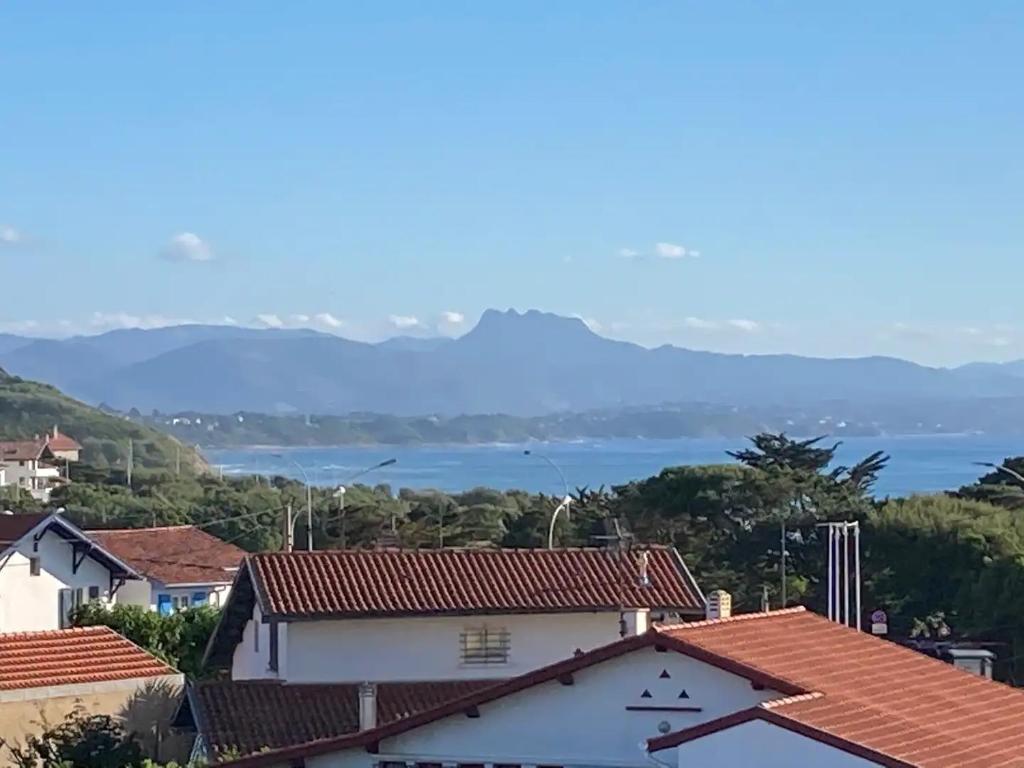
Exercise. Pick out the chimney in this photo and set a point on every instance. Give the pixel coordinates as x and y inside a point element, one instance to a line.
<point>55,432</point>
<point>367,706</point>
<point>645,576</point>
<point>634,621</point>
<point>719,605</point>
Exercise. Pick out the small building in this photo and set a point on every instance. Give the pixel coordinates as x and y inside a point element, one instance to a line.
<point>774,690</point>
<point>63,447</point>
<point>182,565</point>
<point>30,467</point>
<point>44,676</point>
<point>48,567</point>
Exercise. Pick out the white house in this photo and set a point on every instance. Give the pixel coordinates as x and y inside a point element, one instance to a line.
<point>347,616</point>
<point>182,565</point>
<point>30,466</point>
<point>48,567</point>
<point>776,690</point>
<point>306,631</point>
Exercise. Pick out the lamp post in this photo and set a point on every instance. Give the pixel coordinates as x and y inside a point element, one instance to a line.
<point>566,499</point>
<point>1002,468</point>
<point>309,499</point>
<point>339,494</point>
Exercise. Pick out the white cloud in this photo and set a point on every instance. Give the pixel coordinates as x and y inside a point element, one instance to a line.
<point>403,321</point>
<point>453,318</point>
<point>747,326</point>
<point>108,321</point>
<point>327,320</point>
<point>187,246</point>
<point>700,324</point>
<point>270,320</point>
<point>628,253</point>
<point>673,251</point>
<point>228,320</point>
<point>299,319</point>
<point>999,341</point>
<point>591,323</point>
<point>10,236</point>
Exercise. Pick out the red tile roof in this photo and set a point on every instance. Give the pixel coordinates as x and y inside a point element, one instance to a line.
<point>181,554</point>
<point>21,450</point>
<point>62,442</point>
<point>356,583</point>
<point>869,692</point>
<point>859,693</point>
<point>72,656</point>
<point>248,716</point>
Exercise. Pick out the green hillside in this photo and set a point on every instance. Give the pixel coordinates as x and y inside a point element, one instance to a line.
<point>28,408</point>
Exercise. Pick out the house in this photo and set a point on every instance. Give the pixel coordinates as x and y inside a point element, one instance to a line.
<point>306,632</point>
<point>30,467</point>
<point>44,676</point>
<point>62,446</point>
<point>347,615</point>
<point>48,567</point>
<point>775,689</point>
<point>182,565</point>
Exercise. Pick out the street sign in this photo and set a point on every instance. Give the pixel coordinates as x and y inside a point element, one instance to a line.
<point>879,623</point>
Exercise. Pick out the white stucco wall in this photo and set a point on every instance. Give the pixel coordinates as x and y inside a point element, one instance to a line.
<point>145,593</point>
<point>29,603</point>
<point>585,724</point>
<point>764,745</point>
<point>418,648</point>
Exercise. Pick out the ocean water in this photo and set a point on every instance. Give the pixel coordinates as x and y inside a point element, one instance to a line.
<point>918,464</point>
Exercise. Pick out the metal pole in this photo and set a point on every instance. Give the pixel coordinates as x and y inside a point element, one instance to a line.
<point>309,517</point>
<point>832,566</point>
<point>783,550</point>
<point>554,517</point>
<point>856,555</point>
<point>836,583</point>
<point>561,475</point>
<point>846,574</point>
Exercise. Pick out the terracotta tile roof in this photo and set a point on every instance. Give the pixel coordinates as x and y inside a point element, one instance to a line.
<point>867,696</point>
<point>465,581</point>
<point>62,442</point>
<point>21,450</point>
<point>72,656</point>
<point>248,716</point>
<point>180,554</point>
<point>869,692</point>
<point>14,527</point>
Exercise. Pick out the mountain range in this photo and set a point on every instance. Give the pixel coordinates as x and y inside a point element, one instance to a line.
<point>522,364</point>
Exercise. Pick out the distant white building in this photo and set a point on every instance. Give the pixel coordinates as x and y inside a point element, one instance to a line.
<point>182,565</point>
<point>48,567</point>
<point>30,466</point>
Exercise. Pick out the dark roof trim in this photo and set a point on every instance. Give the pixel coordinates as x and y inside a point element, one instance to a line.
<point>775,718</point>
<point>68,531</point>
<point>549,673</point>
<point>227,634</point>
<point>469,612</point>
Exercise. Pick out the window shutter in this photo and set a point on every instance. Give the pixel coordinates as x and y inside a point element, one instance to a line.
<point>163,605</point>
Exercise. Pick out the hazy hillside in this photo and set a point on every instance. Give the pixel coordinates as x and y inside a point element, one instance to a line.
<point>28,408</point>
<point>525,364</point>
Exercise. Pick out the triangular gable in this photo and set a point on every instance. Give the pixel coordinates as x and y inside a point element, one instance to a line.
<point>68,531</point>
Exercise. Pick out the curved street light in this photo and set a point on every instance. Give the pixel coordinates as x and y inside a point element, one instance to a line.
<point>1001,468</point>
<point>309,500</point>
<point>339,494</point>
<point>566,499</point>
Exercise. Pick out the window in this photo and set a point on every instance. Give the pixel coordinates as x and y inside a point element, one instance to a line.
<point>485,645</point>
<point>179,601</point>
<point>198,598</point>
<point>163,605</point>
<point>33,566</point>
<point>256,636</point>
<point>273,662</point>
<point>94,594</point>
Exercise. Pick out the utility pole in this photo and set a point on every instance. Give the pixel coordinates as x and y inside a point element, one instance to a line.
<point>177,460</point>
<point>783,561</point>
<point>289,529</point>
<point>131,460</point>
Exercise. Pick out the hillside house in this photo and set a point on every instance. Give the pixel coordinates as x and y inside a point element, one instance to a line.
<point>30,466</point>
<point>44,676</point>
<point>63,447</point>
<point>48,567</point>
<point>181,565</point>
<point>773,690</point>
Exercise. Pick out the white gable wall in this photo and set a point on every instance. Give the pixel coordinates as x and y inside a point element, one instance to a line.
<point>428,647</point>
<point>764,745</point>
<point>586,723</point>
<point>30,603</point>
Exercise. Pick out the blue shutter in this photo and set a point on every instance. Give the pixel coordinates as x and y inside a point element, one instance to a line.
<point>198,598</point>
<point>163,605</point>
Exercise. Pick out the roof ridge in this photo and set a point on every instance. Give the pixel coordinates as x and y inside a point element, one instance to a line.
<point>95,629</point>
<point>447,550</point>
<point>139,530</point>
<point>776,703</point>
<point>668,628</point>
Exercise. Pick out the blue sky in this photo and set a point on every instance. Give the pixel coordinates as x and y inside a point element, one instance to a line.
<point>820,179</point>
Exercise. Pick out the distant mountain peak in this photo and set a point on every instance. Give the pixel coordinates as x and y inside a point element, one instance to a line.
<point>530,321</point>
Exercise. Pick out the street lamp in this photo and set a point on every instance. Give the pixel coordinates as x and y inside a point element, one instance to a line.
<point>1001,468</point>
<point>566,499</point>
<point>339,494</point>
<point>309,499</point>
